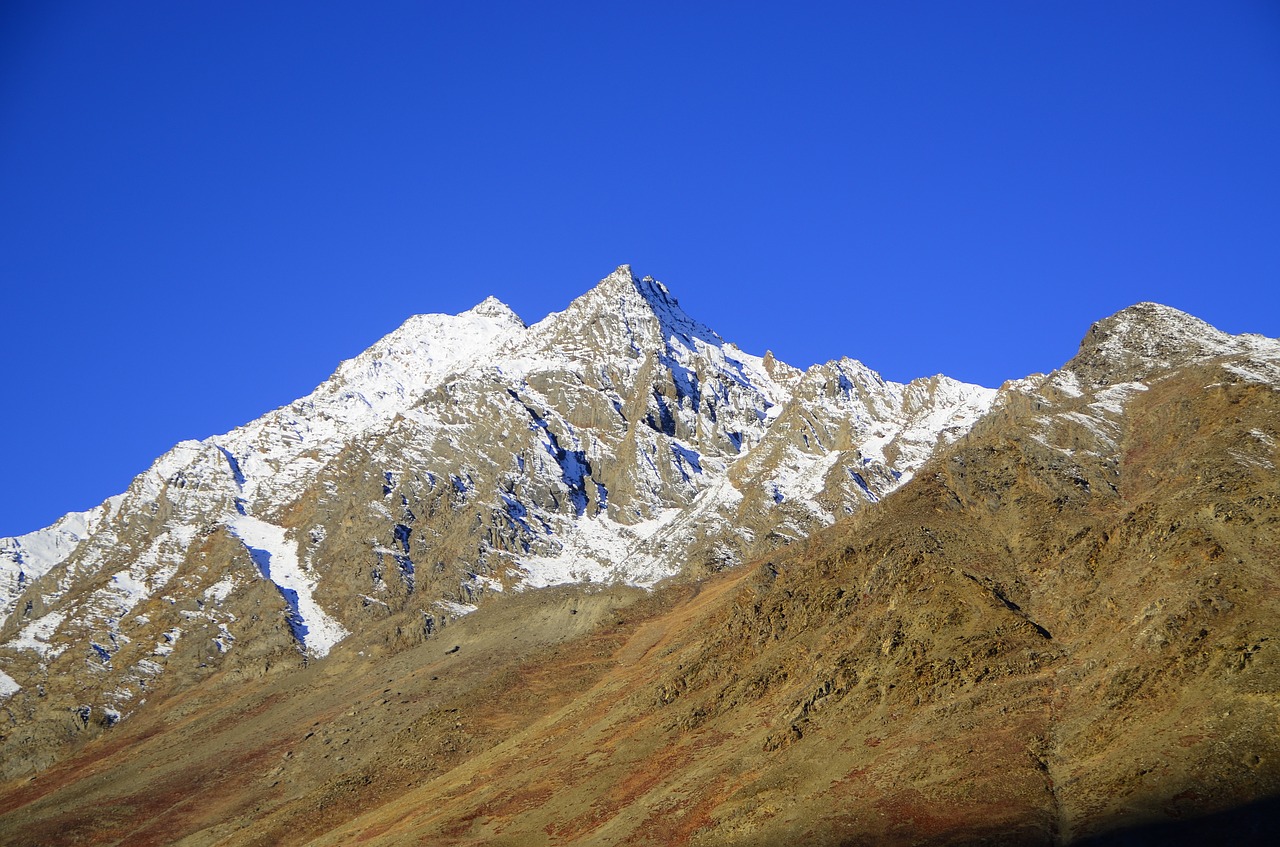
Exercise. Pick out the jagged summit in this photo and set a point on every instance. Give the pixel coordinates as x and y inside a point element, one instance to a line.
<point>622,274</point>
<point>650,289</point>
<point>626,315</point>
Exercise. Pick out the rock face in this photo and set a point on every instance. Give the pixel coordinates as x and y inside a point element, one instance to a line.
<point>461,457</point>
<point>1061,630</point>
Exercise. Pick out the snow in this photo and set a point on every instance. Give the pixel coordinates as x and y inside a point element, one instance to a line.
<point>151,571</point>
<point>8,687</point>
<point>221,589</point>
<point>130,589</point>
<point>149,668</point>
<point>1255,453</point>
<point>170,638</point>
<point>1101,428</point>
<point>1252,461</point>
<point>490,584</point>
<point>804,476</point>
<point>278,453</point>
<point>456,609</point>
<point>26,558</point>
<point>277,557</point>
<point>1265,372</point>
<point>1098,414</point>
<point>223,639</point>
<point>728,423</point>
<point>1112,400</point>
<point>599,549</point>
<point>1066,382</point>
<point>37,636</point>
<point>843,396</point>
<point>872,447</point>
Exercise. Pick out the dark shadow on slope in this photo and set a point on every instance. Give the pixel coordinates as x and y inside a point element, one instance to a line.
<point>1256,823</point>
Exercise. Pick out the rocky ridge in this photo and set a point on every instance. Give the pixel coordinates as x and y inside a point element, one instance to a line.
<point>618,441</point>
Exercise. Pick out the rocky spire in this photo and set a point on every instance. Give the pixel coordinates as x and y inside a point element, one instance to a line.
<point>627,315</point>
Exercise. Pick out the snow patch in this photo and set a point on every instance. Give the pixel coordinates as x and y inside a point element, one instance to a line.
<point>277,558</point>
<point>1112,399</point>
<point>221,589</point>
<point>37,636</point>
<point>456,609</point>
<point>1067,383</point>
<point>169,638</point>
<point>599,549</point>
<point>1267,373</point>
<point>803,477</point>
<point>490,583</point>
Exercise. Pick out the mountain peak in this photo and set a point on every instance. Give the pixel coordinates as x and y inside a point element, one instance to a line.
<point>492,307</point>
<point>622,272</point>
<point>623,282</point>
<point>1144,338</point>
<point>623,312</point>
<point>1159,316</point>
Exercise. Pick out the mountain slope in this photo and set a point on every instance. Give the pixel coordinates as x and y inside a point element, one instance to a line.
<point>458,458</point>
<point>1059,631</point>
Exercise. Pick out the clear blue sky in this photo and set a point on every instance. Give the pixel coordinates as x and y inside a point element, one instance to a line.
<point>205,206</point>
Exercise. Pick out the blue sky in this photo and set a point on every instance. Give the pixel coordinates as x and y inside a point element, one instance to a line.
<point>204,207</point>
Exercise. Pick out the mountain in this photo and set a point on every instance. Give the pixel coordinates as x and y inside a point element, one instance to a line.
<point>460,457</point>
<point>1048,615</point>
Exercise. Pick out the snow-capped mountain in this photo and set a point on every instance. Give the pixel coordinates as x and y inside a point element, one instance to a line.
<point>617,441</point>
<point>1056,631</point>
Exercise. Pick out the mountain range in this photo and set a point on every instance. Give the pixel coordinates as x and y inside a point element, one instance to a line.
<point>608,579</point>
